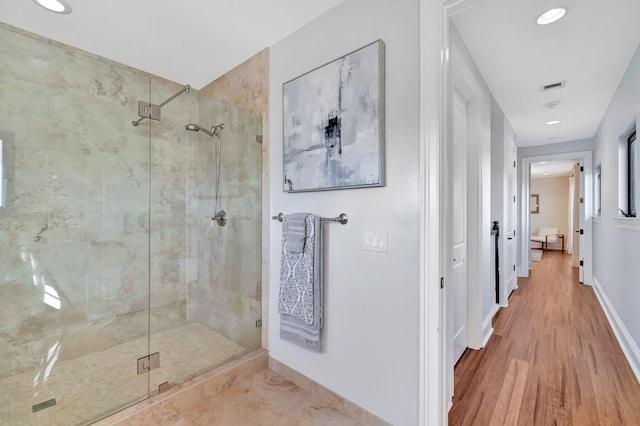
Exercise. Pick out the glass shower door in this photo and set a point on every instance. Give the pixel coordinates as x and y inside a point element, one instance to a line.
<point>74,234</point>
<point>205,279</point>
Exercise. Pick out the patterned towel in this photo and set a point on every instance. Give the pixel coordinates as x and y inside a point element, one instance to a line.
<point>300,302</point>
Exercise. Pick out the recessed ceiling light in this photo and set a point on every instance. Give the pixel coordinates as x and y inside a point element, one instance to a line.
<point>551,16</point>
<point>552,122</point>
<point>57,6</point>
<point>546,174</point>
<point>543,162</point>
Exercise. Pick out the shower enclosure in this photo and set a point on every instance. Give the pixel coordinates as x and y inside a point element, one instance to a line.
<point>115,282</point>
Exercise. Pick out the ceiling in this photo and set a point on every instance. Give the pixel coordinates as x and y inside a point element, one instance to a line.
<point>551,169</point>
<point>590,48</point>
<point>189,42</point>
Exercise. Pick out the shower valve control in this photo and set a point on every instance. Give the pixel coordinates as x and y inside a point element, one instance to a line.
<point>220,218</point>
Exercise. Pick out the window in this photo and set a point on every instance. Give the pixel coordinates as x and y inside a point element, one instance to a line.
<point>631,174</point>
<point>598,191</point>
<point>627,179</point>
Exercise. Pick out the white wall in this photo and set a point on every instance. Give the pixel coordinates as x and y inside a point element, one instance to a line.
<point>497,162</point>
<point>498,188</point>
<point>371,328</point>
<point>553,198</point>
<point>557,148</point>
<point>616,250</point>
<point>502,140</point>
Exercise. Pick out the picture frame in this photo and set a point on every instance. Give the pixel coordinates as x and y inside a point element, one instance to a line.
<point>333,124</point>
<point>534,204</point>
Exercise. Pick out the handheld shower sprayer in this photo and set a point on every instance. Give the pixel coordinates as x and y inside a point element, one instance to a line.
<point>191,127</point>
<point>221,216</point>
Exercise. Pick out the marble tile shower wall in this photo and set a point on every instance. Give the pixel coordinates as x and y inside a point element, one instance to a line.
<point>76,166</point>
<point>227,293</point>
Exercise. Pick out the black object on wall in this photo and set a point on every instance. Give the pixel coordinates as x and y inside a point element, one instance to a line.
<point>495,231</point>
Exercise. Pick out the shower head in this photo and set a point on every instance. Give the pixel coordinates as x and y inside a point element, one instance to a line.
<point>213,132</point>
<point>192,127</point>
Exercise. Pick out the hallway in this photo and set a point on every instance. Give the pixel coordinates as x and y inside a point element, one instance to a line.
<point>553,359</point>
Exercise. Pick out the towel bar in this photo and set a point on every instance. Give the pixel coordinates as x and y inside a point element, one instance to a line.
<point>343,219</point>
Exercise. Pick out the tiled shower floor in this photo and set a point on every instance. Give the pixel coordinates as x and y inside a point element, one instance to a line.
<point>91,385</point>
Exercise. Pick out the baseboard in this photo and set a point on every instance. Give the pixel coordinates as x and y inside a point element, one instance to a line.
<point>522,272</point>
<point>487,325</point>
<point>628,345</point>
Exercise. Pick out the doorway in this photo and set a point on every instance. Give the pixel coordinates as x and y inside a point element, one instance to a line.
<point>466,246</point>
<point>581,221</point>
<point>436,103</point>
<point>555,208</point>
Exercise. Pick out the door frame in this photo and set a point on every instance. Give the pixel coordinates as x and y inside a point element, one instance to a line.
<point>435,76</point>
<point>477,198</point>
<point>506,290</point>
<point>587,207</point>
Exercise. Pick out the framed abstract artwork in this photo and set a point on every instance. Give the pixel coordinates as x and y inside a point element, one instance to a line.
<point>333,124</point>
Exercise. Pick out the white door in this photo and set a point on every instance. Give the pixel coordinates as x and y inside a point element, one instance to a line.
<point>576,252</point>
<point>581,222</point>
<point>458,188</point>
<point>510,221</point>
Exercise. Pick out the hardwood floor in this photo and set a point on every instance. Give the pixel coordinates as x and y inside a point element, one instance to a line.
<point>553,359</point>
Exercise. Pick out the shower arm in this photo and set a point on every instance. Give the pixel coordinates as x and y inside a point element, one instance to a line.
<point>185,89</point>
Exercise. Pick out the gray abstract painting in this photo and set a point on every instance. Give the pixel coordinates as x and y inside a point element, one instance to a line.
<point>333,124</point>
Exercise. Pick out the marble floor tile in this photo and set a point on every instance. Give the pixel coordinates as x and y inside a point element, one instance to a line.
<point>265,398</point>
<point>91,385</point>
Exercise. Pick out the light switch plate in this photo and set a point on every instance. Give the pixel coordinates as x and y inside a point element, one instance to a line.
<point>375,241</point>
